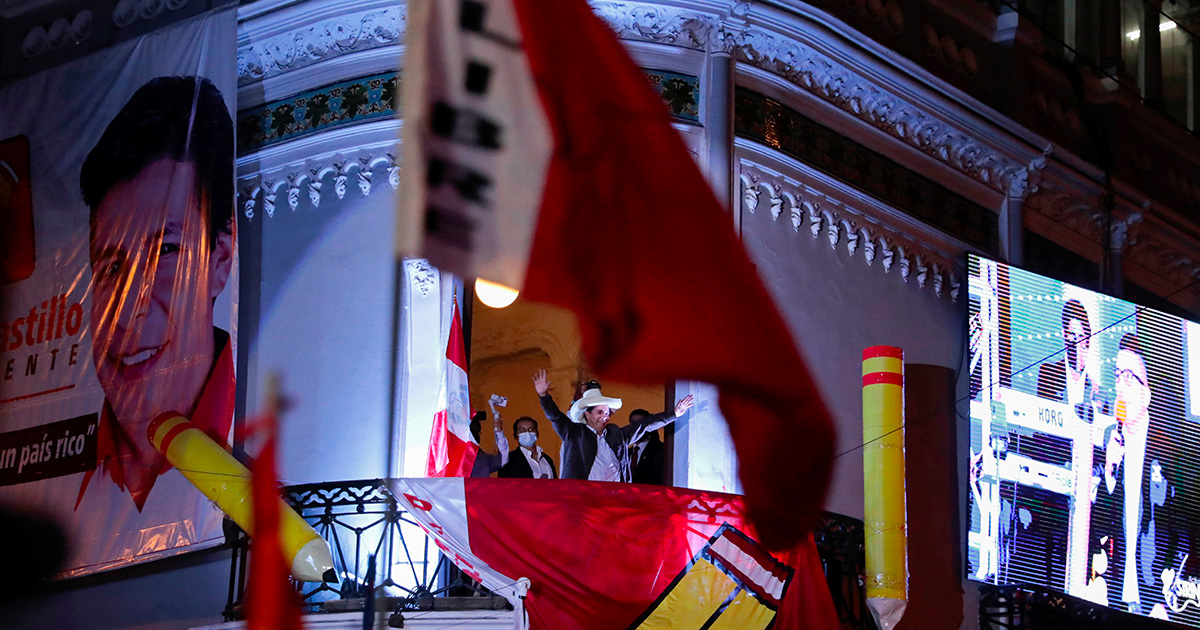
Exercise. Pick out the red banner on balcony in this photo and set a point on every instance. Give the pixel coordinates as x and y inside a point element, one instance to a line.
<point>608,555</point>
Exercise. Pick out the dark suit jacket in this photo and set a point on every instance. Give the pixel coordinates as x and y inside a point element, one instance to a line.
<point>518,466</point>
<point>1161,538</point>
<point>580,442</point>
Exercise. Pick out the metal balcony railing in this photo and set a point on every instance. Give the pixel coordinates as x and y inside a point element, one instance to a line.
<point>360,519</point>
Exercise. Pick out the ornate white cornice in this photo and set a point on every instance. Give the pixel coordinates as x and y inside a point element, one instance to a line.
<point>657,23</point>
<point>320,41</point>
<point>59,33</point>
<point>810,206</point>
<point>363,168</point>
<point>866,99</point>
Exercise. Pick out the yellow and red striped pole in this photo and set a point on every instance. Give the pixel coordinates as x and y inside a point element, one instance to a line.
<point>885,519</point>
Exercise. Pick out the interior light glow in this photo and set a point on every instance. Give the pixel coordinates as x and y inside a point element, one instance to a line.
<point>1162,28</point>
<point>494,295</point>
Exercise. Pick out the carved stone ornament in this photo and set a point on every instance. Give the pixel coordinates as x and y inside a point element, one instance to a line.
<point>1123,230</point>
<point>261,190</point>
<point>822,76</point>
<point>1075,211</point>
<point>421,275</point>
<point>59,33</point>
<point>658,24</point>
<point>1166,261</point>
<point>353,32</point>
<point>129,12</point>
<point>801,202</point>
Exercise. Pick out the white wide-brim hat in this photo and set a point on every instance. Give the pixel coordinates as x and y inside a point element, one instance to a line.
<point>591,398</point>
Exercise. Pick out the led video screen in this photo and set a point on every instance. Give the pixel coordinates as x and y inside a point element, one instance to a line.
<point>1084,467</point>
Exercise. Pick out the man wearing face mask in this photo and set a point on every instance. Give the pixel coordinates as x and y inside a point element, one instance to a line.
<point>528,461</point>
<point>592,448</point>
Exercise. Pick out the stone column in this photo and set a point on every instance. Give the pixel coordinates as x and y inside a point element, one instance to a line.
<point>702,455</point>
<point>1109,28</point>
<point>719,122</point>
<point>1012,221</point>
<point>1122,231</point>
<point>1193,83</point>
<point>1150,54</point>
<point>1012,241</point>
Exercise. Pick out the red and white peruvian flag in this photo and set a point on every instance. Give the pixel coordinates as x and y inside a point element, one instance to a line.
<point>452,448</point>
<point>593,556</point>
<point>537,156</point>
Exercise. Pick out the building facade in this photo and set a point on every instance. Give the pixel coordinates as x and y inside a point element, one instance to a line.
<point>863,147</point>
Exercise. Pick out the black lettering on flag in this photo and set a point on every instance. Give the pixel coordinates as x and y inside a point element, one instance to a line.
<point>471,17</point>
<point>468,183</point>
<point>450,226</point>
<point>478,76</point>
<point>464,126</point>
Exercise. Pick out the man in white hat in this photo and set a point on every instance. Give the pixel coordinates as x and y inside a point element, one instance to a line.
<point>593,448</point>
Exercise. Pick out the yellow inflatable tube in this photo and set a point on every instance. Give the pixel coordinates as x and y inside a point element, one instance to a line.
<point>226,482</point>
<point>885,529</point>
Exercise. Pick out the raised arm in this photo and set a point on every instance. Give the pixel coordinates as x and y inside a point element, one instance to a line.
<point>501,439</point>
<point>635,431</point>
<point>558,419</point>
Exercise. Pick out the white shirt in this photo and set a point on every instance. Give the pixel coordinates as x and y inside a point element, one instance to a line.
<point>538,464</point>
<point>1135,457</point>
<point>1075,381</point>
<point>605,467</point>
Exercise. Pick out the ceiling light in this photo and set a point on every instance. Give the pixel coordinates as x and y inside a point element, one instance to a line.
<point>494,295</point>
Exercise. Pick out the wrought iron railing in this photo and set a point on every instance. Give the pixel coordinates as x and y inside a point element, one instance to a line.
<point>360,519</point>
<point>1021,607</point>
<point>840,543</point>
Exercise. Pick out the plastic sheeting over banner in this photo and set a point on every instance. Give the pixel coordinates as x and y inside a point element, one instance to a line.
<point>118,279</point>
<point>608,555</point>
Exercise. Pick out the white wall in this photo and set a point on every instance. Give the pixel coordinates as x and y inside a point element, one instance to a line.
<point>837,304</point>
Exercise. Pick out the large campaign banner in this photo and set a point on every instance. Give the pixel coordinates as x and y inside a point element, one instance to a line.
<point>118,285</point>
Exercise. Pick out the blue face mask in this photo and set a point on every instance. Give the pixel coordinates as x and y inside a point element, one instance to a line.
<point>527,439</point>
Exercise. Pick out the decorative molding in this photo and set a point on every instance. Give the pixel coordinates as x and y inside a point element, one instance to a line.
<point>1164,260</point>
<point>39,40</point>
<point>1025,182</point>
<point>1077,213</point>
<point>680,92</point>
<point>803,203</point>
<point>421,275</point>
<point>950,52</point>
<point>344,103</point>
<point>830,80</point>
<point>327,39</point>
<point>309,177</point>
<point>771,123</point>
<point>658,24</point>
<point>1123,230</point>
<point>129,12</point>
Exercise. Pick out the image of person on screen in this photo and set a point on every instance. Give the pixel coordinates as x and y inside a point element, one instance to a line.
<point>1068,380</point>
<point>1135,502</point>
<point>159,186</point>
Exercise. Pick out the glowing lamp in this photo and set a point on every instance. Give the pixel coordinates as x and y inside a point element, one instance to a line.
<point>494,295</point>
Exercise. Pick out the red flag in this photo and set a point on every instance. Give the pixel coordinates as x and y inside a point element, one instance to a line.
<point>628,234</point>
<point>621,556</point>
<point>452,448</point>
<point>272,602</point>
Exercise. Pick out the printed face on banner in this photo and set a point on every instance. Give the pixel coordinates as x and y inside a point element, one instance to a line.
<point>155,273</point>
<point>127,311</point>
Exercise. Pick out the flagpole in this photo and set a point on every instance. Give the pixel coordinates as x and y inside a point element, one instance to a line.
<point>395,395</point>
